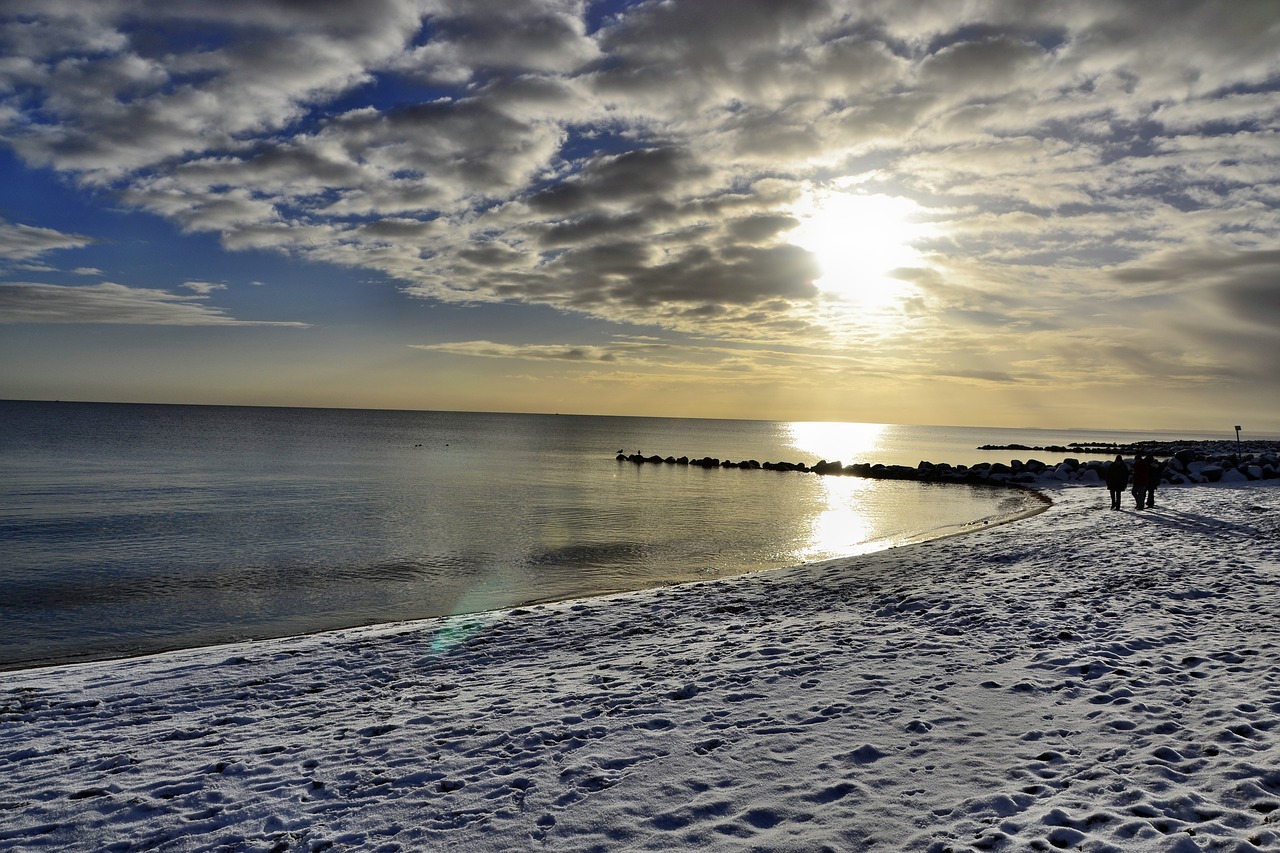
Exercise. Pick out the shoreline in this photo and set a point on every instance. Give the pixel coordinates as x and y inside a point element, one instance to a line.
<point>1188,462</point>
<point>1032,478</point>
<point>1083,678</point>
<point>868,547</point>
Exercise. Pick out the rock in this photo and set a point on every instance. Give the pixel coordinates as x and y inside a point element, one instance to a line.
<point>892,472</point>
<point>1205,463</point>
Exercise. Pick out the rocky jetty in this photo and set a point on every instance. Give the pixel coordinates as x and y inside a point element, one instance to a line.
<point>1188,462</point>
<point>1226,447</point>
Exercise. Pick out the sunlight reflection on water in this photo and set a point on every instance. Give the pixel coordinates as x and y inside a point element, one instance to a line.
<point>856,442</point>
<point>131,528</point>
<point>844,525</point>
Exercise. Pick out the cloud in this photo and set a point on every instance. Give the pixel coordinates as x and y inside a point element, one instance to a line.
<point>644,164</point>
<point>114,91</point>
<point>203,288</point>
<point>23,302</point>
<point>527,352</point>
<point>542,36</point>
<point>616,180</point>
<point>24,242</point>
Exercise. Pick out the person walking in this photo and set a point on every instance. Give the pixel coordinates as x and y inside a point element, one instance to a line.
<point>1117,479</point>
<point>1154,469</point>
<point>1141,480</point>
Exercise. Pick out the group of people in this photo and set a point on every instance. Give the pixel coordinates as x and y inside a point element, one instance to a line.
<point>1146,476</point>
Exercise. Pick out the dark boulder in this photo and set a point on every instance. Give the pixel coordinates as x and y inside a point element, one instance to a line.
<point>825,467</point>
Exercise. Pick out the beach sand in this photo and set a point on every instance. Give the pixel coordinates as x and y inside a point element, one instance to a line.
<point>1084,679</point>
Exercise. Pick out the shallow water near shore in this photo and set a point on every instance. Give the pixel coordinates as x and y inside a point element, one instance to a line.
<point>126,529</point>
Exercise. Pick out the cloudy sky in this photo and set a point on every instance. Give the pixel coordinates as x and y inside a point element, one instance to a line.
<point>1060,214</point>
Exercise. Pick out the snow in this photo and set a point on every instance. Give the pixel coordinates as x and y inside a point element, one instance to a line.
<point>1083,679</point>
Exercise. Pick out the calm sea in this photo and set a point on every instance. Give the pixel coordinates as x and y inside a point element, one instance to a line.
<point>133,528</point>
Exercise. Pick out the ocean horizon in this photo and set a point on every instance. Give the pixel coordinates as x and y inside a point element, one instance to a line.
<point>130,528</point>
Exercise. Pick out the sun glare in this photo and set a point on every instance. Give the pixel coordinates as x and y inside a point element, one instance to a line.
<point>859,240</point>
<point>846,442</point>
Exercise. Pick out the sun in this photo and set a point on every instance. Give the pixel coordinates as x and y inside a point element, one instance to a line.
<point>859,240</point>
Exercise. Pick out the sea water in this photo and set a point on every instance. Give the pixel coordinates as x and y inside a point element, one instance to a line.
<point>127,529</point>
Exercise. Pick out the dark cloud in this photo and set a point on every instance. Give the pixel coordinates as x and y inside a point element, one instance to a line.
<point>494,255</point>
<point>1255,299</point>
<point>980,66</point>
<point>740,276</point>
<point>472,37</point>
<point>761,227</point>
<point>643,174</point>
<point>393,229</point>
<point>592,228</point>
<point>1181,265</point>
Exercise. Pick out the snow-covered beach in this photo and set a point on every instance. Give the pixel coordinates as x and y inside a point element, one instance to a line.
<point>1083,679</point>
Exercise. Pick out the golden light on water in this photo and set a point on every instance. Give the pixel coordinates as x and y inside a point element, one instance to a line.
<point>841,523</point>
<point>859,240</point>
<point>845,442</point>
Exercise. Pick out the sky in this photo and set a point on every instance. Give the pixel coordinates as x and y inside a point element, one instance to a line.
<point>988,212</point>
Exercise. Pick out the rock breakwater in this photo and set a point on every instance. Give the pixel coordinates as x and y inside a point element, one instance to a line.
<point>1188,462</point>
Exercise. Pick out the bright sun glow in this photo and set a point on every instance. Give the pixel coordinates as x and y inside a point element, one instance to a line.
<point>859,240</point>
<point>845,442</point>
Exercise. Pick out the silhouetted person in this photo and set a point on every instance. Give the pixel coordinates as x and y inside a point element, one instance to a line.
<point>1117,479</point>
<point>1153,479</point>
<point>1141,480</point>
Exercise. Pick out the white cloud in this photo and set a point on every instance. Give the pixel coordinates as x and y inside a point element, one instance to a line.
<point>24,242</point>
<point>25,302</point>
<point>645,172</point>
<point>533,352</point>
<point>203,288</point>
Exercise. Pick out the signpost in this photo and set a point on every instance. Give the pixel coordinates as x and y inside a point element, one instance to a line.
<point>1237,439</point>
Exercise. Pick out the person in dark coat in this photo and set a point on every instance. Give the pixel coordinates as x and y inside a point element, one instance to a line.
<point>1117,479</point>
<point>1141,479</point>
<point>1154,470</point>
